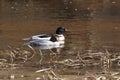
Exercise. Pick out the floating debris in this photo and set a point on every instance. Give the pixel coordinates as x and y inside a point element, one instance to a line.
<point>42,70</point>
<point>12,76</point>
<point>76,9</point>
<point>80,61</point>
<point>113,2</point>
<point>38,78</point>
<point>22,76</point>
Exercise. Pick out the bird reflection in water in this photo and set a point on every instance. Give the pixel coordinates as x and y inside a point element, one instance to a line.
<point>55,49</point>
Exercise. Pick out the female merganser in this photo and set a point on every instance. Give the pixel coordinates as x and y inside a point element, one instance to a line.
<point>48,39</point>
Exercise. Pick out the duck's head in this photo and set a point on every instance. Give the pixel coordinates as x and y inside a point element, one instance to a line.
<point>60,30</point>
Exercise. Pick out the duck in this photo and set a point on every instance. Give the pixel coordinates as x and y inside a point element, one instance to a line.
<point>48,39</point>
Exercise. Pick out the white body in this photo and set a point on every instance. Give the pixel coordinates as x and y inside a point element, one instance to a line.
<point>44,43</point>
<point>45,40</point>
<point>39,37</point>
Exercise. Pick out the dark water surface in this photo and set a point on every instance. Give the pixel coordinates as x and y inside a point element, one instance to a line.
<point>94,24</point>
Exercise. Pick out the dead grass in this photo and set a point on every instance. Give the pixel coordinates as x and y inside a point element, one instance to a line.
<point>12,56</point>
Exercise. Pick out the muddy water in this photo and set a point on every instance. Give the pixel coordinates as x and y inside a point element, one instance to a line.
<point>93,24</point>
<point>90,27</point>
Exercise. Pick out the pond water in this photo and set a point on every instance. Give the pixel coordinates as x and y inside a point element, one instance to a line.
<point>93,25</point>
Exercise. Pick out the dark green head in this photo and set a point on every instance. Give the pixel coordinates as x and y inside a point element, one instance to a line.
<point>60,30</point>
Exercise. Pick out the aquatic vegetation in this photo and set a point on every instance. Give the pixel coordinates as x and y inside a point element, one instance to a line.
<point>53,67</point>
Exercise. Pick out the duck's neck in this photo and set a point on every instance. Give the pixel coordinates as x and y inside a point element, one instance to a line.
<point>60,35</point>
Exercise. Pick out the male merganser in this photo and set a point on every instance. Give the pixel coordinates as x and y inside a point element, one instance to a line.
<point>48,39</point>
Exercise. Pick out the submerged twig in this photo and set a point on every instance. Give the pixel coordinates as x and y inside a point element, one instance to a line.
<point>41,55</point>
<point>80,58</point>
<point>42,70</point>
<point>52,52</point>
<point>32,50</point>
<point>91,75</point>
<point>70,63</point>
<point>53,76</point>
<point>21,53</point>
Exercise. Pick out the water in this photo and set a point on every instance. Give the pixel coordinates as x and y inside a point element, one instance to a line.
<point>94,25</point>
